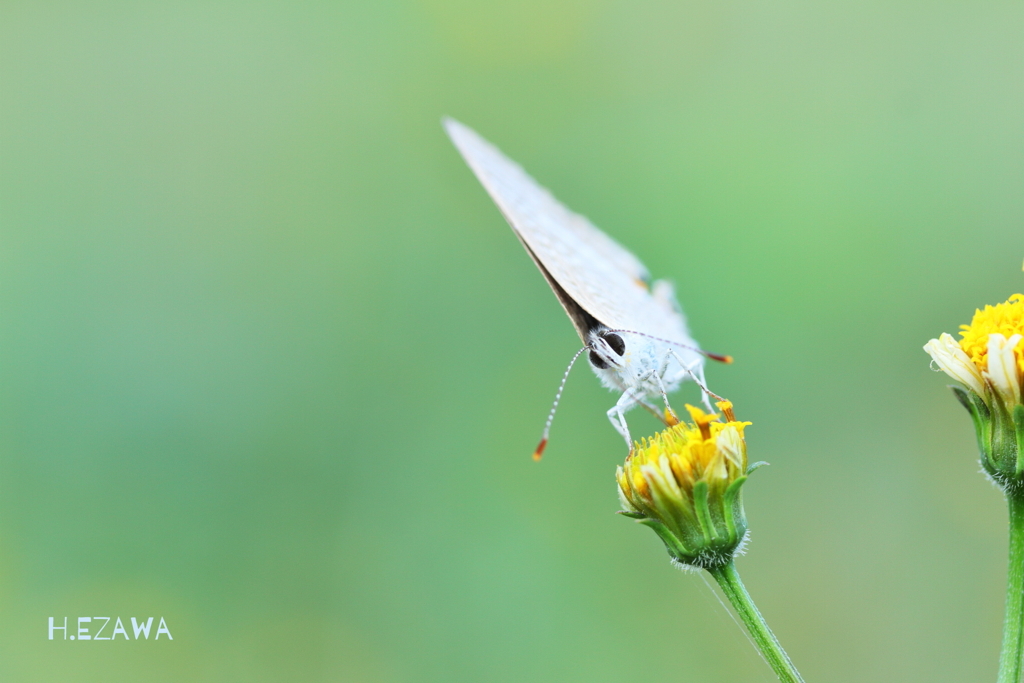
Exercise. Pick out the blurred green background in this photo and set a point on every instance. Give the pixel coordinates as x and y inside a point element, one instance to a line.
<point>272,364</point>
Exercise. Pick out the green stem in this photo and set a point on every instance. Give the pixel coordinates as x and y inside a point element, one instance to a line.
<point>729,579</point>
<point>1013,623</point>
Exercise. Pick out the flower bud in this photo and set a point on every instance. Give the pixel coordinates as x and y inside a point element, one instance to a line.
<point>685,484</point>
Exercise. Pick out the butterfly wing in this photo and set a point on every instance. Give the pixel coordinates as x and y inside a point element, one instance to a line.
<point>587,269</point>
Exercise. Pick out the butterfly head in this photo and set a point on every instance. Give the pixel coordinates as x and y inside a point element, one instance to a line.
<point>606,349</point>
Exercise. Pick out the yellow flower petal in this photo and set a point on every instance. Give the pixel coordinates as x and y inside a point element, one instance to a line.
<point>952,360</point>
<point>1002,371</point>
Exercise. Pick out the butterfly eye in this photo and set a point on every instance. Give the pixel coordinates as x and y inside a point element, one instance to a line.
<point>597,361</point>
<point>615,341</point>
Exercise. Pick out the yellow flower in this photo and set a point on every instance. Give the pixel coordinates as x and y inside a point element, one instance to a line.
<point>685,484</point>
<point>989,361</point>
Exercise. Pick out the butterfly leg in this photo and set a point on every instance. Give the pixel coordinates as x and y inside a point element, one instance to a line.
<point>659,376</point>
<point>696,371</point>
<point>616,415</point>
<point>664,395</point>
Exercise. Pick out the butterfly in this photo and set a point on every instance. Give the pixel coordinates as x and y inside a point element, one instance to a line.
<point>633,329</point>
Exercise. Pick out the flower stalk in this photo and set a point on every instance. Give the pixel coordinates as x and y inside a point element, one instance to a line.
<point>1013,622</point>
<point>729,580</point>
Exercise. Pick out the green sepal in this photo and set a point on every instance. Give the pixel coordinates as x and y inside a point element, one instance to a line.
<point>1001,441</point>
<point>976,406</point>
<point>675,547</point>
<point>703,510</point>
<point>755,466</point>
<point>981,416</point>
<point>731,494</point>
<point>980,406</point>
<point>631,515</point>
<point>965,400</point>
<point>1018,425</point>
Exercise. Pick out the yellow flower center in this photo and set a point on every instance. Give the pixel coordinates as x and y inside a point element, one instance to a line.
<point>692,451</point>
<point>1006,319</point>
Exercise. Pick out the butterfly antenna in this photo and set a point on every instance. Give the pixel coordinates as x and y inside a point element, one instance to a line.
<point>721,358</point>
<point>696,379</point>
<point>551,415</point>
